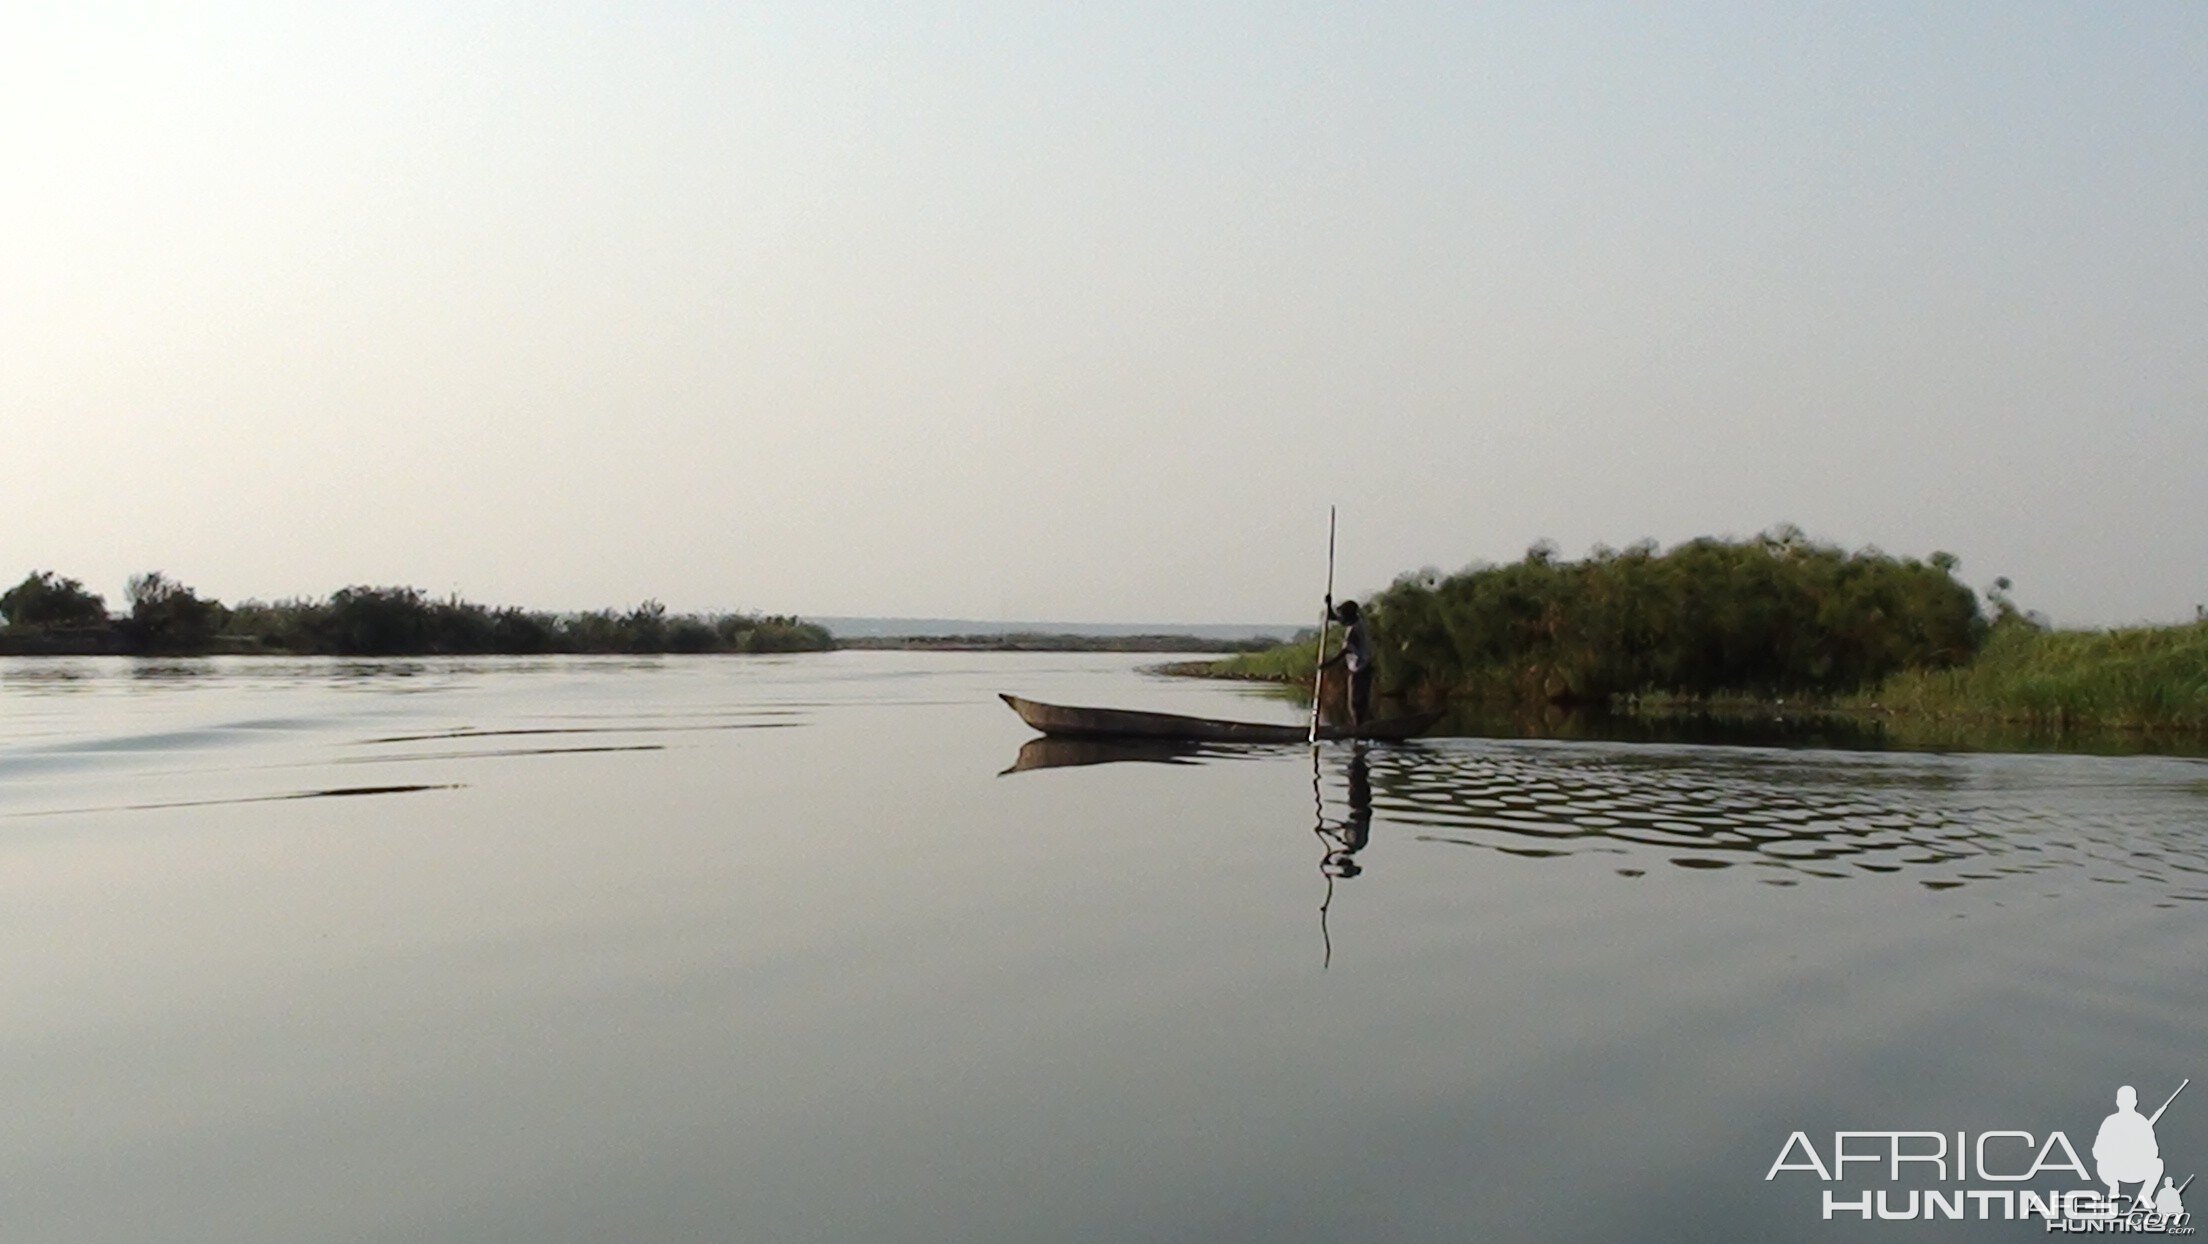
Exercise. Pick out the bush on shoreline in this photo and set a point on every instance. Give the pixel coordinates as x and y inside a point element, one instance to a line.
<point>1775,615</point>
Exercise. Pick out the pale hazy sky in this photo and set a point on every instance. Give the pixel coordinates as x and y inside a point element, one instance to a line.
<point>1089,311</point>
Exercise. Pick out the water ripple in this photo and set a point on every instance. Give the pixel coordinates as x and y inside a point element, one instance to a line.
<point>1942,822</point>
<point>336,792</point>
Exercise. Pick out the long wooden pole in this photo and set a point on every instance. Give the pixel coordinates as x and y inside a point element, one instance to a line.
<point>1326,615</point>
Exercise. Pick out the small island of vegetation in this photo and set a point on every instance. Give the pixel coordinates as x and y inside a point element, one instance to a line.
<point>48,614</point>
<point>1738,625</point>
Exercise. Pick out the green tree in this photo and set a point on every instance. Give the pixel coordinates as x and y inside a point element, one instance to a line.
<point>646,627</point>
<point>166,616</point>
<point>377,621</point>
<point>46,600</point>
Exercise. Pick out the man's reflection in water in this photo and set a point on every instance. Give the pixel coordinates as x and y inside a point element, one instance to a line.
<point>1343,839</point>
<point>1347,837</point>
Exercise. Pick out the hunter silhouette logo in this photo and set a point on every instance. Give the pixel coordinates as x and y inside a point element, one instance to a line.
<point>2125,1151</point>
<point>2003,1175</point>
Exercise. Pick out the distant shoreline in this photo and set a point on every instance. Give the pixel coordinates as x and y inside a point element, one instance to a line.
<point>107,643</point>
<point>1026,641</point>
<point>49,615</point>
<point>864,628</point>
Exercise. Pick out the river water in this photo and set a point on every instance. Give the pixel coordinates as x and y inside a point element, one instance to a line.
<point>812,948</point>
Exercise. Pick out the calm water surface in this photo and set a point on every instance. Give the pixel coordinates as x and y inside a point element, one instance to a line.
<point>813,948</point>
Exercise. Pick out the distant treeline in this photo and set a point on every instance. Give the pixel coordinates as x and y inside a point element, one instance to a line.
<point>1775,615</point>
<point>1055,641</point>
<point>46,613</point>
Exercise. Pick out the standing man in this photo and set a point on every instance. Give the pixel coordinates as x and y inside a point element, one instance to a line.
<point>1356,654</point>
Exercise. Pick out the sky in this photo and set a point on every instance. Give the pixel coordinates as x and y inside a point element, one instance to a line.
<point>1089,312</point>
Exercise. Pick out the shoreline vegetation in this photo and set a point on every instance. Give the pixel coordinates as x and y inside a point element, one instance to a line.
<point>47,615</point>
<point>1749,633</point>
<point>1776,627</point>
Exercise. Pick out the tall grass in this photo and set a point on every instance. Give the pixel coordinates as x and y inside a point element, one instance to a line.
<point>1289,662</point>
<point>2149,678</point>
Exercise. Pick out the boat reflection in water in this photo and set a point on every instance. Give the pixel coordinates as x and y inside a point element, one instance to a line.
<point>1054,752</point>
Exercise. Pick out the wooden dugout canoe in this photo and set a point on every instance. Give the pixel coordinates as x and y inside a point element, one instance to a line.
<point>1063,721</point>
